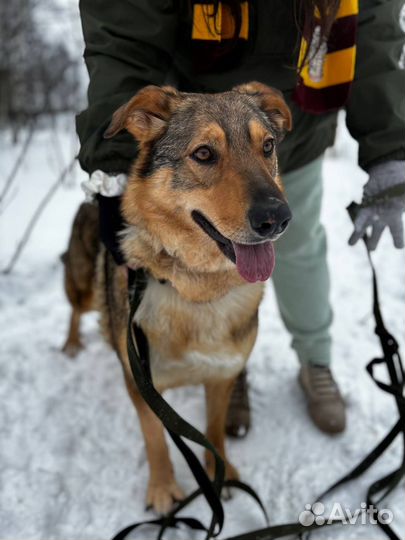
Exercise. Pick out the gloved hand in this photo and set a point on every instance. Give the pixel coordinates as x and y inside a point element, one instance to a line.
<point>385,213</point>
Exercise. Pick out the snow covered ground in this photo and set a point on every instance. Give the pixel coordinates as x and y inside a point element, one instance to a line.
<point>72,461</point>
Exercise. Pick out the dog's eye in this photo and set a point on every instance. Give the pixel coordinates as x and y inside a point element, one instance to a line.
<point>268,147</point>
<point>203,154</point>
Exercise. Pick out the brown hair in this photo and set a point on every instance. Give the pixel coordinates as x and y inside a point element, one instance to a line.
<point>327,10</point>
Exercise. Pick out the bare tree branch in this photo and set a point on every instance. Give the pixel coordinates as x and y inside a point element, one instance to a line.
<point>13,173</point>
<point>35,217</point>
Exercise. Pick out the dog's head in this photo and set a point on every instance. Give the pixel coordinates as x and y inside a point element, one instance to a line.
<point>206,183</point>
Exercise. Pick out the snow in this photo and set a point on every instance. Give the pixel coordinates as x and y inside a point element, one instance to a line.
<point>72,459</point>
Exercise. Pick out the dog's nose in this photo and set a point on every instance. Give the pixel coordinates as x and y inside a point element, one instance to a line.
<point>270,217</point>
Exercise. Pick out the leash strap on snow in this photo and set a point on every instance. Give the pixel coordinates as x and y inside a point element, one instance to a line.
<point>381,488</point>
<point>178,429</point>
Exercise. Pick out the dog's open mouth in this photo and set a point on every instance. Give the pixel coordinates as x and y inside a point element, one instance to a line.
<point>255,262</point>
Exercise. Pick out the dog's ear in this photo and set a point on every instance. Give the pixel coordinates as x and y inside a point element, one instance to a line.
<point>272,103</point>
<point>145,116</point>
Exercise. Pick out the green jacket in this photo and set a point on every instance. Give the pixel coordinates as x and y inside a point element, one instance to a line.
<point>133,43</point>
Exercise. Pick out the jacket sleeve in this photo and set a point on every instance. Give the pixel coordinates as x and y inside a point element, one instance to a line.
<point>376,108</point>
<point>128,45</point>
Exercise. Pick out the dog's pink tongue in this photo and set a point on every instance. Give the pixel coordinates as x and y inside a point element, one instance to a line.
<point>255,262</point>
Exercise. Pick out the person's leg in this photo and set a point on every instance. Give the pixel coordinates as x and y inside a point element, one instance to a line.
<point>301,277</point>
<point>301,282</point>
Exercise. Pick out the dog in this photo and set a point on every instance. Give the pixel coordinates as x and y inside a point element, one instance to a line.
<point>203,205</point>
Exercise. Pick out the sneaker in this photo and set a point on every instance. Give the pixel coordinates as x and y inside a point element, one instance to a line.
<point>326,406</point>
<point>238,417</point>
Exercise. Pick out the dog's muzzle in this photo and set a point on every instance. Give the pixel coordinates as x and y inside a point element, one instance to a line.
<point>269,218</point>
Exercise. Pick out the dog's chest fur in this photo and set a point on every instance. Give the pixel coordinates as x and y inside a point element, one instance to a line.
<point>191,343</point>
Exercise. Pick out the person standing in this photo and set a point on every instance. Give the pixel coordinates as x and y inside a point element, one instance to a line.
<point>324,55</point>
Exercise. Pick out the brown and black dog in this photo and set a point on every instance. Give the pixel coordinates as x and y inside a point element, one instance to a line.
<point>203,205</point>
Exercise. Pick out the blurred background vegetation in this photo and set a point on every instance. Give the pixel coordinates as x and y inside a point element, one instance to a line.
<point>40,61</point>
<point>42,86</point>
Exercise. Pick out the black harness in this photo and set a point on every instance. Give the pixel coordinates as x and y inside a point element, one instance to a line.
<point>180,430</point>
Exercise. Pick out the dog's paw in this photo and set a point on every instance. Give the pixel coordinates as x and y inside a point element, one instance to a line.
<point>231,472</point>
<point>162,496</point>
<point>72,349</point>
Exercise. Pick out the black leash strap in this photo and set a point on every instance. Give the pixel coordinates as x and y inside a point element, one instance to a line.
<point>392,192</point>
<point>179,428</point>
<point>176,426</point>
<point>381,488</point>
<point>162,522</point>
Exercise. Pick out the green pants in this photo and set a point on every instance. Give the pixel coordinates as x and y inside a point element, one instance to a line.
<point>301,277</point>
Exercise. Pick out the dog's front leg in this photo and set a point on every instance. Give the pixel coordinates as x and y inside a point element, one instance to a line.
<point>217,396</point>
<point>163,490</point>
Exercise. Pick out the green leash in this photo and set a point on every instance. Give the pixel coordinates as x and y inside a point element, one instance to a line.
<point>179,429</point>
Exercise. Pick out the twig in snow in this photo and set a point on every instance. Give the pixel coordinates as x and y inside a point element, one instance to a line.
<point>18,162</point>
<point>36,215</point>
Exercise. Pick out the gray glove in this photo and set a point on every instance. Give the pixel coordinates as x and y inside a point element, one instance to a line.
<point>386,212</point>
